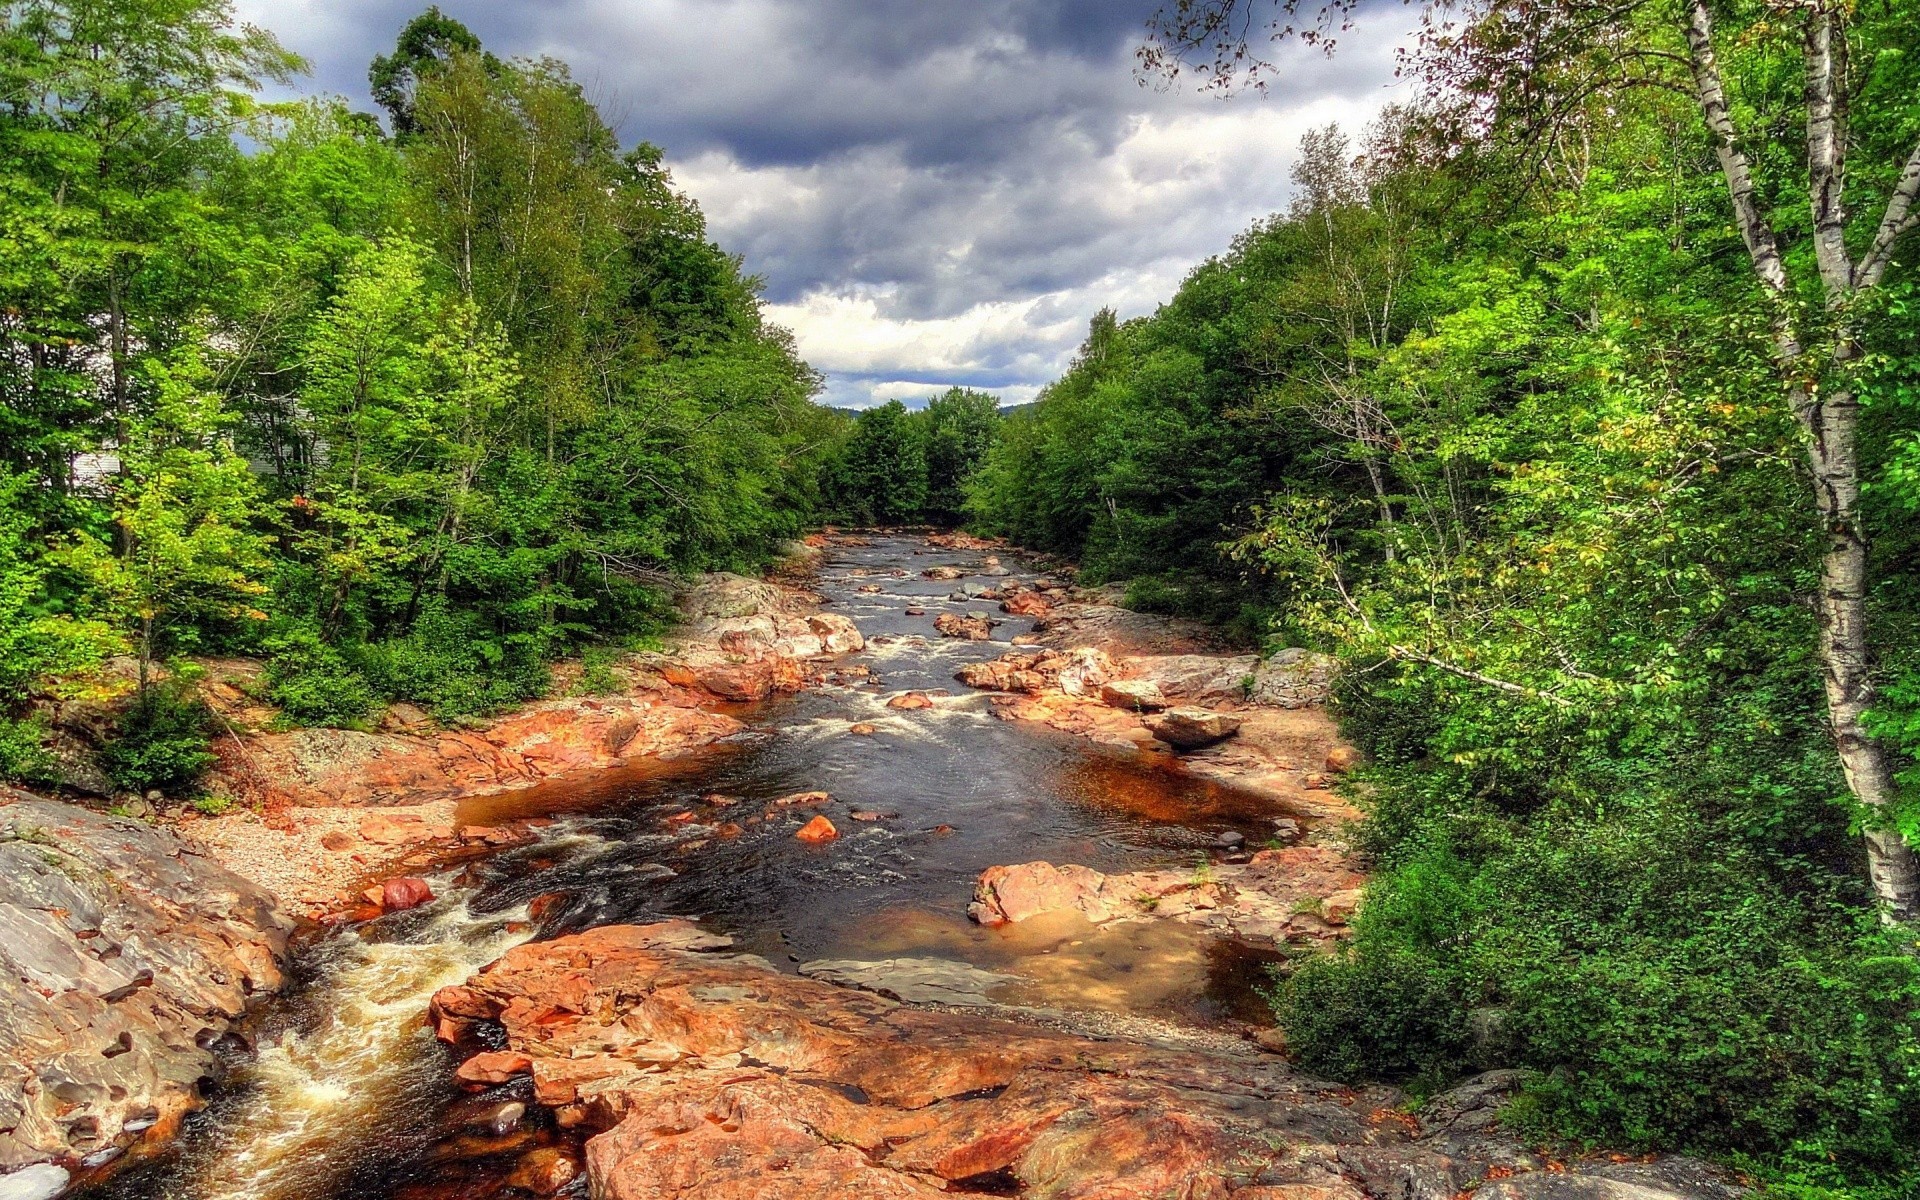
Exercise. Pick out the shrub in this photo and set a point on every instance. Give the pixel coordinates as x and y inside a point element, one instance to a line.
<point>1380,1014</point>
<point>1669,986</point>
<point>456,667</point>
<point>23,754</point>
<point>597,674</point>
<point>162,740</point>
<point>313,683</point>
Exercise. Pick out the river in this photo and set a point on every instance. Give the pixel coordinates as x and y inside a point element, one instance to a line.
<point>346,1095</point>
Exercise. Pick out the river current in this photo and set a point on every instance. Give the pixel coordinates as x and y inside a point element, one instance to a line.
<point>345,1095</point>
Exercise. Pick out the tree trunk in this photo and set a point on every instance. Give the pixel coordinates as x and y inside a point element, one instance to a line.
<point>1832,424</point>
<point>1829,419</point>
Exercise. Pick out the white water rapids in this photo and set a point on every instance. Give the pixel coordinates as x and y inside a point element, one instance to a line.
<point>316,1096</point>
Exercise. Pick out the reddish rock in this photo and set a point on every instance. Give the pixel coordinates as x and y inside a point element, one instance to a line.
<point>728,830</point>
<point>1026,604</point>
<point>1192,728</point>
<point>911,700</point>
<point>817,831</point>
<point>1015,893</point>
<point>492,835</point>
<point>494,1066</point>
<point>399,829</point>
<point>943,573</point>
<point>1342,759</point>
<point>709,1078</point>
<point>737,681</point>
<point>339,840</point>
<point>863,729</point>
<point>1133,695</point>
<point>543,905</point>
<point>804,799</point>
<point>398,895</point>
<point>954,625</point>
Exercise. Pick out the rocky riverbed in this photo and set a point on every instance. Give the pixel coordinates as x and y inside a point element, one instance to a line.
<point>936,875</point>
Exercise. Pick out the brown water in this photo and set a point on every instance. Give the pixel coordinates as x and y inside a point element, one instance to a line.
<point>348,1097</point>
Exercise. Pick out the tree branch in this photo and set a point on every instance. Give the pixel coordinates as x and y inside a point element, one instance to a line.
<point>1762,247</point>
<point>1899,219</point>
<point>1826,161</point>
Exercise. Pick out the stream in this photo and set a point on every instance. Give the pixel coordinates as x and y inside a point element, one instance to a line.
<point>346,1096</point>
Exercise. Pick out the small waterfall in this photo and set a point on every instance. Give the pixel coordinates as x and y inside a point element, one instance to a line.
<point>361,1077</point>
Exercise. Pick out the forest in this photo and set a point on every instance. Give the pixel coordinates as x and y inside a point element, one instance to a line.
<point>1574,404</point>
<point>1520,415</point>
<point>409,414</point>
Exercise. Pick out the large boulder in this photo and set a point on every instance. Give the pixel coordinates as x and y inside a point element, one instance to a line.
<point>1133,695</point>
<point>125,959</point>
<point>1204,679</point>
<point>1077,672</point>
<point>968,627</point>
<point>1005,895</point>
<point>1192,728</point>
<point>1293,678</point>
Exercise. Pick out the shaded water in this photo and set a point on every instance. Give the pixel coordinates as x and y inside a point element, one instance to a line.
<point>350,1098</point>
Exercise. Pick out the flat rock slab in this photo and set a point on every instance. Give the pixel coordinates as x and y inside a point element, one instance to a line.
<point>699,1075</point>
<point>913,980</point>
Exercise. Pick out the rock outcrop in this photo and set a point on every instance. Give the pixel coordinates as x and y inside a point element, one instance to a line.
<point>710,1076</point>
<point>1299,894</point>
<point>126,957</point>
<point>1192,728</point>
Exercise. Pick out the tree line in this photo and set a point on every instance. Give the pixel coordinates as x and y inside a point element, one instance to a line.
<point>407,404</point>
<point>1575,404</point>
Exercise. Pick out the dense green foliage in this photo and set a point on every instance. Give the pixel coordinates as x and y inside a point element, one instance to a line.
<point>896,467</point>
<point>410,415</point>
<point>1494,412</point>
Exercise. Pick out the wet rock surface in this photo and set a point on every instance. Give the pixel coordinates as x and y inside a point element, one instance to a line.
<point>712,1075</point>
<point>127,957</point>
<point>1296,895</point>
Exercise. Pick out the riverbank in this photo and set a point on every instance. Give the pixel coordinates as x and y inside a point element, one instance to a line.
<point>319,815</point>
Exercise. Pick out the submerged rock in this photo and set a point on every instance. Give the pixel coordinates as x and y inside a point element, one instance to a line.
<point>126,957</point>
<point>913,980</point>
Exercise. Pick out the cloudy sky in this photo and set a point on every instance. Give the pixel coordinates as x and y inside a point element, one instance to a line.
<point>935,191</point>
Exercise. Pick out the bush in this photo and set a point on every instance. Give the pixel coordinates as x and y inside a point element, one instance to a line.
<point>1668,984</point>
<point>163,740</point>
<point>23,754</point>
<point>313,683</point>
<point>597,674</point>
<point>1381,1014</point>
<point>456,667</point>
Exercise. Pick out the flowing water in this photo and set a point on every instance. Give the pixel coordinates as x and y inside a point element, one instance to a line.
<point>349,1098</point>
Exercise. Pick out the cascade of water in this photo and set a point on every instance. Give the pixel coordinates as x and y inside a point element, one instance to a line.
<point>367,1072</point>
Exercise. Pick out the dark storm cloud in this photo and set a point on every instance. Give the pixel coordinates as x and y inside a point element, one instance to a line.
<point>933,191</point>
